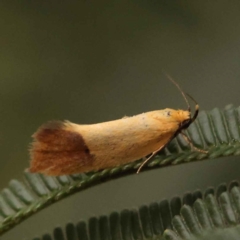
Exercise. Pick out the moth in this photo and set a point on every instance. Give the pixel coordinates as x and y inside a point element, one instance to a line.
<point>63,147</point>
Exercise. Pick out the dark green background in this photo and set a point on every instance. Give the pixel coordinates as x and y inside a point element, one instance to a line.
<point>93,61</point>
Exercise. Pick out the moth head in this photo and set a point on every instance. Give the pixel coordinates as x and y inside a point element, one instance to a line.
<point>185,123</point>
<point>188,117</point>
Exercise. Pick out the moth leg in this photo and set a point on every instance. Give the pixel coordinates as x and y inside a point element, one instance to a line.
<point>186,138</point>
<point>151,156</point>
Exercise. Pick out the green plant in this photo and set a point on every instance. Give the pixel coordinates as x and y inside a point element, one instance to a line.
<point>216,131</point>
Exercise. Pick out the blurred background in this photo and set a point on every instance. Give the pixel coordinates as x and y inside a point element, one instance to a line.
<point>92,61</point>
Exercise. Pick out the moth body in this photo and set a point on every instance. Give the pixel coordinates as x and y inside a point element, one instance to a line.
<point>61,148</point>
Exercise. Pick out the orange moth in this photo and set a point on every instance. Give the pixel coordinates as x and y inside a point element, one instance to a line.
<point>61,148</point>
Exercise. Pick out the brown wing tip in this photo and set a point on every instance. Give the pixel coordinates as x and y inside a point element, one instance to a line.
<point>48,129</point>
<point>58,149</point>
<point>45,139</point>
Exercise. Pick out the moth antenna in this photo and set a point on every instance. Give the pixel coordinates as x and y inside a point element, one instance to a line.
<point>180,89</point>
<point>192,98</point>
